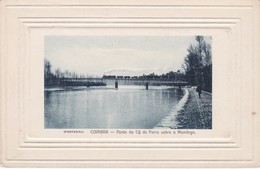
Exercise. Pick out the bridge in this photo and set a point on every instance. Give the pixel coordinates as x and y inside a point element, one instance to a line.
<point>103,81</point>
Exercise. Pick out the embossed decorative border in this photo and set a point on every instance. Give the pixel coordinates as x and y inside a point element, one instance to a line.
<point>21,149</point>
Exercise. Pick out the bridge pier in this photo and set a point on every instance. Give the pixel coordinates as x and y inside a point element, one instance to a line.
<point>146,85</point>
<point>116,85</point>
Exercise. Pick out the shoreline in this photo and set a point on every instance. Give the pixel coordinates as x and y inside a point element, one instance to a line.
<point>191,112</point>
<point>168,121</point>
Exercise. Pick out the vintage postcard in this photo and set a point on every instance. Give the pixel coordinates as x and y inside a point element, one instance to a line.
<point>128,82</point>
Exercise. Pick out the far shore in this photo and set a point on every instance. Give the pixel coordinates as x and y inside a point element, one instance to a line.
<point>63,88</point>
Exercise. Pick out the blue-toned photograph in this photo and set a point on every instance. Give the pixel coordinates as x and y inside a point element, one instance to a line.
<point>128,82</point>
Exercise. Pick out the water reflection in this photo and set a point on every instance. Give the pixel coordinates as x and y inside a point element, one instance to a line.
<point>128,107</point>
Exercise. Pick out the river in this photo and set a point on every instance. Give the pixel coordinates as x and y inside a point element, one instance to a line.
<point>128,107</point>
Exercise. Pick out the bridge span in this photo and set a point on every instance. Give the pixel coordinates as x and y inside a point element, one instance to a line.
<point>129,81</point>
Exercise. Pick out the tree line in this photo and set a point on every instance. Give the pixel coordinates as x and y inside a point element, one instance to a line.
<point>57,73</point>
<point>198,64</point>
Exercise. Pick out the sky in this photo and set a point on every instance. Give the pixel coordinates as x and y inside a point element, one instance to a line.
<point>117,55</point>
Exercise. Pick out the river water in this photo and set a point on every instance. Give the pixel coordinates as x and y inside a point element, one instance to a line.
<point>128,107</point>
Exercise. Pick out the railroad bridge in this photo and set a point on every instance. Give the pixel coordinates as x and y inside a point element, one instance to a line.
<point>117,82</point>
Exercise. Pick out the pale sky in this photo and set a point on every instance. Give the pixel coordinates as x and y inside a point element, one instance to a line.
<point>117,55</point>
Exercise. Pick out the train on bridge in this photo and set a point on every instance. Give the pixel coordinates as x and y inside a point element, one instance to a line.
<point>146,77</point>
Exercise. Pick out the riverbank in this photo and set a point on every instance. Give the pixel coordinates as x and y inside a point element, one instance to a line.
<point>65,88</point>
<point>170,120</point>
<point>191,112</point>
<point>63,82</point>
<point>197,112</point>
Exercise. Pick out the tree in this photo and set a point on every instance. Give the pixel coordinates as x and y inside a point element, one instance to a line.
<point>198,65</point>
<point>207,50</point>
<point>57,73</point>
<point>66,73</point>
<point>47,69</point>
<point>192,65</point>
